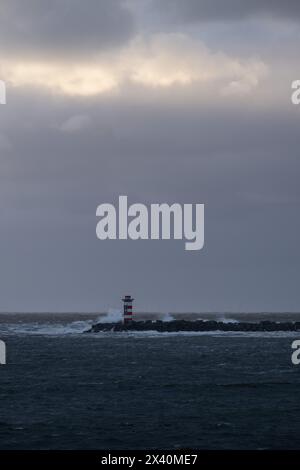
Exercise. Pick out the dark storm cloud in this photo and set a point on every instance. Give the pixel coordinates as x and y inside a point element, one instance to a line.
<point>211,10</point>
<point>63,26</point>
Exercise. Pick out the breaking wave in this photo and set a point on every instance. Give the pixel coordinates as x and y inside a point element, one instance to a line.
<point>167,317</point>
<point>112,316</point>
<point>224,319</point>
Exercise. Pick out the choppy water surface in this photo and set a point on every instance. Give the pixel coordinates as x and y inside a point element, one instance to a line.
<point>62,389</point>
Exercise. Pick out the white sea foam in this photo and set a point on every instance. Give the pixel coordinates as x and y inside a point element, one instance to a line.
<point>112,316</point>
<point>57,328</point>
<point>167,317</point>
<point>47,328</point>
<point>225,319</point>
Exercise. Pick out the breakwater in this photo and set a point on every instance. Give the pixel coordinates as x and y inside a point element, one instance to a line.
<point>197,325</point>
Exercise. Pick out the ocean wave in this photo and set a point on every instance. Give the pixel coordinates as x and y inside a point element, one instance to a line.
<point>112,316</point>
<point>45,329</point>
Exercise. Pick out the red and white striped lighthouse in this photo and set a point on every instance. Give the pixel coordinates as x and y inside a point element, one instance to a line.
<point>127,315</point>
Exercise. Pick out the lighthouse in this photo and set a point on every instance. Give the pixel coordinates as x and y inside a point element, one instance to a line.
<point>127,312</point>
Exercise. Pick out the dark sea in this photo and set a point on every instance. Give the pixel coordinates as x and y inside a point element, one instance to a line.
<point>64,389</point>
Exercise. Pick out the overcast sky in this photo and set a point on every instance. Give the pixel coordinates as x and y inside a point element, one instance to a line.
<point>174,101</point>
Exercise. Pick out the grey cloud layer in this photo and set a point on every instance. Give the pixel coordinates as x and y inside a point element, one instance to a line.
<point>61,157</point>
<point>60,26</point>
<point>210,10</point>
<point>241,162</point>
